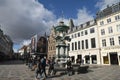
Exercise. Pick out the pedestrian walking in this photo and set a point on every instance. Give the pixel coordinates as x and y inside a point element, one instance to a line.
<point>30,63</point>
<point>43,64</point>
<point>38,69</point>
<point>34,63</point>
<point>69,67</point>
<point>51,66</point>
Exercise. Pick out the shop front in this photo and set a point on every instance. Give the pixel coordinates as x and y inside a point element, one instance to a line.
<point>91,59</point>
<point>113,58</point>
<point>110,58</point>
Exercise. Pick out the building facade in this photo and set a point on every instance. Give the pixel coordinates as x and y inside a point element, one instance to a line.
<point>84,43</point>
<point>97,41</point>
<point>108,21</point>
<point>51,44</point>
<point>39,45</point>
<point>6,46</point>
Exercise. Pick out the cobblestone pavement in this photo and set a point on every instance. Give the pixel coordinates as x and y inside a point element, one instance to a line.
<point>97,73</point>
<point>15,70</point>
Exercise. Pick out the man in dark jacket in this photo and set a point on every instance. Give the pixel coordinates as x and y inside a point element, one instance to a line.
<point>39,68</point>
<point>43,64</point>
<point>69,67</point>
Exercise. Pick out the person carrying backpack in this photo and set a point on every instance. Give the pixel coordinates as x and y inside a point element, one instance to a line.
<point>43,64</point>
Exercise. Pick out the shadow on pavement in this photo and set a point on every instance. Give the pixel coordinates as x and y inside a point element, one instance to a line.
<point>12,62</point>
<point>55,76</point>
<point>63,73</point>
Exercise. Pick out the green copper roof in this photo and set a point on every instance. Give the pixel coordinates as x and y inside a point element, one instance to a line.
<point>61,28</point>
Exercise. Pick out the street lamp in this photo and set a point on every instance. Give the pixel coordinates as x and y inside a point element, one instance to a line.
<point>89,58</point>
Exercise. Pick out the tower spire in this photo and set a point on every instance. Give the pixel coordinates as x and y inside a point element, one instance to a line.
<point>71,24</point>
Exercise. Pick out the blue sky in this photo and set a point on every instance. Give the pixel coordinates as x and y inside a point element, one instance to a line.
<point>22,19</point>
<point>69,7</point>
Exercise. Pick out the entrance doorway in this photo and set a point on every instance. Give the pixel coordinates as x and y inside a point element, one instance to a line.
<point>87,59</point>
<point>79,57</point>
<point>73,59</point>
<point>114,58</point>
<point>94,59</point>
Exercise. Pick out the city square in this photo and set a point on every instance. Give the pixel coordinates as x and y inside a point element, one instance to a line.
<point>54,40</point>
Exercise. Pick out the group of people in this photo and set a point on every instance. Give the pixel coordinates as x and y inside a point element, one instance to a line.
<point>39,65</point>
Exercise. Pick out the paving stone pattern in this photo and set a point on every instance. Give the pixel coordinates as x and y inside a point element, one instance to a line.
<point>21,72</point>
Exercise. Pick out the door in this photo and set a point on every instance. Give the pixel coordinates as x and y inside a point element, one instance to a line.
<point>114,58</point>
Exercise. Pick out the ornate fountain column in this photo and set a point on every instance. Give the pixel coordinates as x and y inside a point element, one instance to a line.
<point>61,46</point>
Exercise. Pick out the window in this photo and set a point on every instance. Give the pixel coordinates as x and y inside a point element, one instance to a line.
<point>92,30</point>
<point>68,47</point>
<point>75,45</point>
<point>109,20</point>
<point>112,41</point>
<point>117,17</point>
<point>102,32</point>
<point>86,32</point>
<point>93,45</point>
<point>102,23</point>
<point>82,33</point>
<point>110,30</point>
<point>78,44</point>
<point>119,39</point>
<point>86,43</point>
<point>49,48</point>
<point>103,42</point>
<point>72,46</point>
<point>87,59</point>
<point>78,34</point>
<point>72,36</point>
<point>82,44</point>
<point>115,8</point>
<point>75,35</point>
<point>118,27</point>
<point>94,59</point>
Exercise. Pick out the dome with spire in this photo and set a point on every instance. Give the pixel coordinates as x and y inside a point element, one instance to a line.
<point>61,27</point>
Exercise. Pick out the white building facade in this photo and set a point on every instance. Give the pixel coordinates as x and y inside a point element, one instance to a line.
<point>84,44</point>
<point>108,21</point>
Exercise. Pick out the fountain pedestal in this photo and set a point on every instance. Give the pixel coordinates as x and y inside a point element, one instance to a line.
<point>61,46</point>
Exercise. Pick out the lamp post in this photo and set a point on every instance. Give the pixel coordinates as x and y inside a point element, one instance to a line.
<point>90,58</point>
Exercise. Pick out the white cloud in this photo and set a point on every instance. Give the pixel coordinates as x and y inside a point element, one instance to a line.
<point>101,4</point>
<point>21,19</point>
<point>15,50</point>
<point>25,42</point>
<point>19,45</point>
<point>83,16</point>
